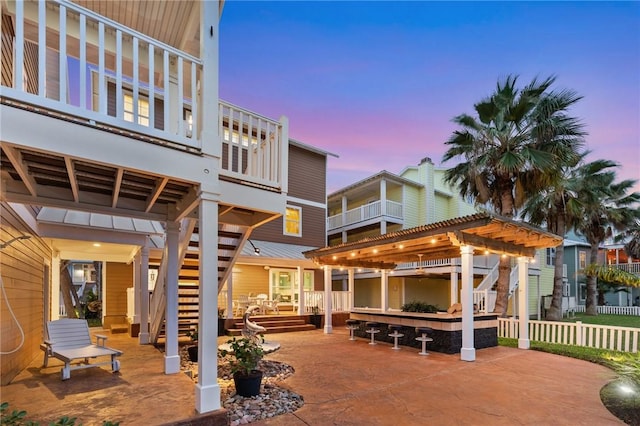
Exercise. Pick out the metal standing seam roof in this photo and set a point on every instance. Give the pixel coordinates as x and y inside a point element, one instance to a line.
<point>270,249</point>
<point>101,221</point>
<point>441,240</point>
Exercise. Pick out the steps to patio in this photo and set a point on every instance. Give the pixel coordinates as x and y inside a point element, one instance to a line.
<point>274,324</point>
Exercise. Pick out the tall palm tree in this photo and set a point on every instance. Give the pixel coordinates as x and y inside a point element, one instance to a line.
<point>512,148</point>
<point>607,205</point>
<point>559,207</point>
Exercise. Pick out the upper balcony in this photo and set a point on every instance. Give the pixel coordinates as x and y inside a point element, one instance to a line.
<point>375,211</point>
<point>80,66</point>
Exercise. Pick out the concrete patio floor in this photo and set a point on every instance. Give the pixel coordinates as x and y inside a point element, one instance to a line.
<point>342,382</point>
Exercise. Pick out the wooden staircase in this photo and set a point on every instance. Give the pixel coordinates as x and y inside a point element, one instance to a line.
<point>230,240</point>
<point>275,324</point>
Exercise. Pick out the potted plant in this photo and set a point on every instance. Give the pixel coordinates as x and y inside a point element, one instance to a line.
<point>221,322</point>
<point>193,349</point>
<point>316,318</point>
<point>244,355</point>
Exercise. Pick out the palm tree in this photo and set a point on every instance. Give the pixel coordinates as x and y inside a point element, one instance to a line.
<point>513,148</point>
<point>558,207</point>
<point>607,205</point>
<point>632,246</point>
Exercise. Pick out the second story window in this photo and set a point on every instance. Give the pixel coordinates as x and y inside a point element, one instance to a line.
<point>293,221</point>
<point>582,260</point>
<point>551,256</point>
<point>143,109</point>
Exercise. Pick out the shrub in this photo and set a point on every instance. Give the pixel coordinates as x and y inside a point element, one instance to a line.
<point>416,306</point>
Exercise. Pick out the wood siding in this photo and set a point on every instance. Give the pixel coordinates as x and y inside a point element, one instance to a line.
<point>250,279</point>
<point>307,175</point>
<point>118,277</point>
<point>313,228</point>
<point>23,265</point>
<point>6,62</point>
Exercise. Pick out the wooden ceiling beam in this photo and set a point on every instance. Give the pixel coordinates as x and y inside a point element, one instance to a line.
<point>500,247</point>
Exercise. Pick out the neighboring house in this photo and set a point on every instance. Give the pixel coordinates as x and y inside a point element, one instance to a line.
<point>385,203</point>
<point>123,121</point>
<point>614,255</point>
<point>576,255</point>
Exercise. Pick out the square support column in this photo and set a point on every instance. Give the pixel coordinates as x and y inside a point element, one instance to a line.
<point>350,286</point>
<point>468,351</point>
<point>328,327</point>
<point>207,389</point>
<point>143,337</point>
<point>171,356</point>
<point>523,303</point>
<point>384,291</point>
<point>55,287</point>
<point>136,290</point>
<point>454,286</point>
<point>229,300</point>
<point>300,287</point>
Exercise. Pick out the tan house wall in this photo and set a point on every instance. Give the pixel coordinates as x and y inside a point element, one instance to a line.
<point>118,277</point>
<point>434,291</point>
<point>25,272</point>
<point>250,279</point>
<point>367,293</point>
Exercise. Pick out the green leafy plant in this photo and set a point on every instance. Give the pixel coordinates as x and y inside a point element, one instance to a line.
<point>315,310</point>
<point>17,418</point>
<point>244,354</point>
<point>415,306</point>
<point>193,334</point>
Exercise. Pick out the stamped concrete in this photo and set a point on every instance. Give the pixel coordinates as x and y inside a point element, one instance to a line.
<point>343,383</point>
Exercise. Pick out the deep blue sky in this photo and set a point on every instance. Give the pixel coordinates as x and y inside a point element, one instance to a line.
<point>378,82</point>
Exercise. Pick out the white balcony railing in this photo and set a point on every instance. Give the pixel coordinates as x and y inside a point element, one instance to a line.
<point>339,301</point>
<point>366,212</point>
<point>84,66</point>
<point>632,268</point>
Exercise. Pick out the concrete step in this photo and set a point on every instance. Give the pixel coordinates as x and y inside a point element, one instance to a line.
<point>276,329</point>
<point>119,328</point>
<point>275,323</point>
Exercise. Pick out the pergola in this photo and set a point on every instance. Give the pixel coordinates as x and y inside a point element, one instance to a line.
<point>462,237</point>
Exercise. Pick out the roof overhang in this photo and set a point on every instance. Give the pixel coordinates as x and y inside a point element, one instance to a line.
<point>442,240</point>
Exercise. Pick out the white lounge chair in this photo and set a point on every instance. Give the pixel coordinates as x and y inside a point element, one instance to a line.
<point>69,340</point>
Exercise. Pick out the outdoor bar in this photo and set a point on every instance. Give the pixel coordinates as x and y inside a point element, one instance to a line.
<point>446,334</point>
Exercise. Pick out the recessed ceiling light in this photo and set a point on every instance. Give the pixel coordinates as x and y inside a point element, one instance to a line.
<point>401,246</point>
<point>375,251</point>
<point>96,244</point>
<point>335,257</point>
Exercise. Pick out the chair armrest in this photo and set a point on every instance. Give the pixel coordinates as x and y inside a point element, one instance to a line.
<point>101,339</point>
<point>48,346</point>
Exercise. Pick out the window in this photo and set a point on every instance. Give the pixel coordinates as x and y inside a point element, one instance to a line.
<point>583,292</point>
<point>143,109</point>
<point>293,221</point>
<point>551,256</point>
<point>582,259</point>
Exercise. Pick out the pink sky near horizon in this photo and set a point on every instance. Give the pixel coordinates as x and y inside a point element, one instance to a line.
<point>377,83</point>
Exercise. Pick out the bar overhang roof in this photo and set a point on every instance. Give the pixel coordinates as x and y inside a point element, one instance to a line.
<point>442,240</point>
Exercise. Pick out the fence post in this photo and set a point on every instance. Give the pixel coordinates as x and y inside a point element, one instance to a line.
<point>579,333</point>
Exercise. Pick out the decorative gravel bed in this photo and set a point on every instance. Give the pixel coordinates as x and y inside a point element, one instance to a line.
<point>272,401</point>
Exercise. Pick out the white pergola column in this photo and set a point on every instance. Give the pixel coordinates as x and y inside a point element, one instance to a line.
<point>350,287</point>
<point>136,289</point>
<point>454,286</point>
<point>523,301</point>
<point>171,356</point>
<point>300,284</point>
<point>55,286</point>
<point>207,389</point>
<point>384,290</point>
<point>383,206</point>
<point>344,217</point>
<point>229,300</point>
<point>328,327</point>
<point>468,351</point>
<point>143,337</point>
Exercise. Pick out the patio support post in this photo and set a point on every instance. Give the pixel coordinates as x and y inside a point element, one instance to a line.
<point>136,289</point>
<point>523,301</point>
<point>384,291</point>
<point>468,351</point>
<point>143,337</point>
<point>344,217</point>
<point>300,290</point>
<point>383,206</point>
<point>454,285</point>
<point>171,356</point>
<point>351,275</point>
<point>55,287</point>
<point>229,300</point>
<point>328,328</point>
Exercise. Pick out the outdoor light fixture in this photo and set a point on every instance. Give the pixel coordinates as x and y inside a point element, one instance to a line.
<point>11,241</point>
<point>256,250</point>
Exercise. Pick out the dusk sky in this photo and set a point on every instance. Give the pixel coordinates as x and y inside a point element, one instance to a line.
<point>378,83</point>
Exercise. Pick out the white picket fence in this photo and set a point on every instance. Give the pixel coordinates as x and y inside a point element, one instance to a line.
<point>623,339</point>
<point>613,310</point>
<point>339,301</point>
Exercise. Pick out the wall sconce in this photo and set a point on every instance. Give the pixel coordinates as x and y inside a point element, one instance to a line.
<point>256,250</point>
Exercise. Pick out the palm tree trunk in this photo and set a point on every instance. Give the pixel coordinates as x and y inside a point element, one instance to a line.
<point>555,310</point>
<point>502,287</point>
<point>592,281</point>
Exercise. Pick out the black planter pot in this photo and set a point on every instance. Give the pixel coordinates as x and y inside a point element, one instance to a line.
<point>316,320</point>
<point>248,385</point>
<point>221,330</point>
<point>193,353</point>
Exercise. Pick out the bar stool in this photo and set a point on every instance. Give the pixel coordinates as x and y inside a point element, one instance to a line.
<point>424,338</point>
<point>372,329</point>
<point>352,325</point>
<point>396,334</point>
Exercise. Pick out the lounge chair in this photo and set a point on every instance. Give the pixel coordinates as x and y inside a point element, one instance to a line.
<point>69,340</point>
